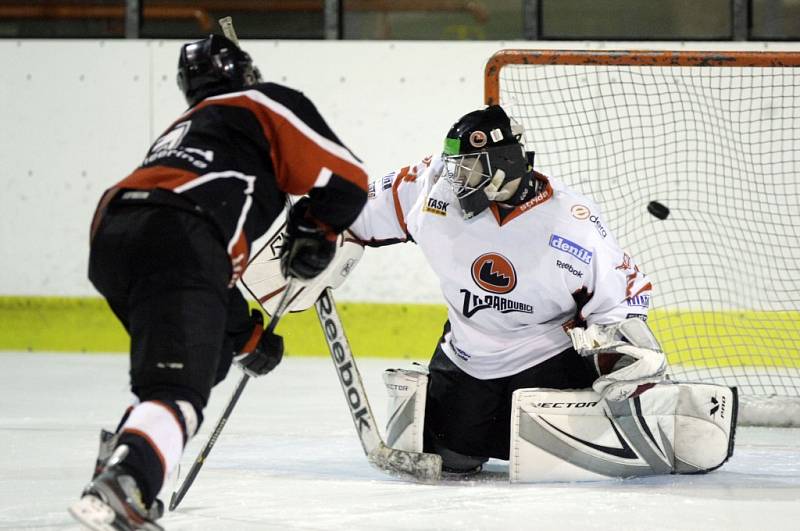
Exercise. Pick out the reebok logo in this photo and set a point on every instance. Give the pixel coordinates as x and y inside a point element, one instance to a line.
<point>569,267</point>
<point>566,246</point>
<point>344,364</point>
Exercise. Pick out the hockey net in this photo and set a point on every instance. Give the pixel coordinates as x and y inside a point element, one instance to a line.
<point>714,137</point>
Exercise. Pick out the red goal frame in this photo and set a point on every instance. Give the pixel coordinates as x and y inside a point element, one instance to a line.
<point>627,58</point>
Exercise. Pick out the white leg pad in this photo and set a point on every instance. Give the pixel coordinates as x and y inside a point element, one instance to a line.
<point>576,436</point>
<point>407,390</point>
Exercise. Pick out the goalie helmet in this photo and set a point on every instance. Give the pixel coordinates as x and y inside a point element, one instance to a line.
<point>212,66</point>
<point>484,160</point>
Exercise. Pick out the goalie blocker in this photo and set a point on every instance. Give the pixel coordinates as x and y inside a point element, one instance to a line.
<point>673,428</point>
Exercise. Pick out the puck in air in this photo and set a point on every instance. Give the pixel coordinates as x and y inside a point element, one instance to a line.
<point>658,210</point>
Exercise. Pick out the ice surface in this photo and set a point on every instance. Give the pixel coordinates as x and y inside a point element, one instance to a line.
<point>289,459</point>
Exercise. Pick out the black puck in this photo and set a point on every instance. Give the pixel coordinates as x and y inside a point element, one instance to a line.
<point>658,210</point>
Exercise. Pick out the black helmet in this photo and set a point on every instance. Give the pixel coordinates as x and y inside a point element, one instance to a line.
<point>214,66</point>
<point>484,159</point>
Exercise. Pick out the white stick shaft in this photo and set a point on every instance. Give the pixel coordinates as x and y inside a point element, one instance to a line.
<point>417,466</point>
<point>349,377</point>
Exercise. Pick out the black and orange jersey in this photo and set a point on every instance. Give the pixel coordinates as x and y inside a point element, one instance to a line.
<point>237,155</point>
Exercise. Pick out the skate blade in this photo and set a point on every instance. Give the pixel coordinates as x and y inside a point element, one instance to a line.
<point>93,514</point>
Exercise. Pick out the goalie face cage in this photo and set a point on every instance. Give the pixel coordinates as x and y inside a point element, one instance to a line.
<point>715,137</point>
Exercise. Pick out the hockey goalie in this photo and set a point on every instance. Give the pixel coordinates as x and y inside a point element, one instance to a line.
<point>546,359</point>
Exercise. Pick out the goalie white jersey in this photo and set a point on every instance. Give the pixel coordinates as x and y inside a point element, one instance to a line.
<point>513,287</point>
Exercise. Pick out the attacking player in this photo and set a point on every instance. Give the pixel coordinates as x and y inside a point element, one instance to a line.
<point>539,295</point>
<point>170,241</point>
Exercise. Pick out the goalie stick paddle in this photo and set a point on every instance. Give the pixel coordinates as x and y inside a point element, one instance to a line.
<point>417,466</point>
<point>178,495</point>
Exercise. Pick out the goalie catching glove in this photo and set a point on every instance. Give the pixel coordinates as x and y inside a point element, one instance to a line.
<point>627,357</point>
<point>263,350</point>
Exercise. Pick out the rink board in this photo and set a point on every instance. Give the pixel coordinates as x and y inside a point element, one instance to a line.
<point>73,324</point>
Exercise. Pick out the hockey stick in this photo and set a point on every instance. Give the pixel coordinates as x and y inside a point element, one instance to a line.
<point>178,495</point>
<point>416,466</point>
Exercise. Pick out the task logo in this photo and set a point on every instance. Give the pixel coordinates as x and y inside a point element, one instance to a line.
<point>494,273</point>
<point>436,206</point>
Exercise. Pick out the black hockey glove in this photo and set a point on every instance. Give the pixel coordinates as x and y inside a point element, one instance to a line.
<point>262,352</point>
<point>308,247</point>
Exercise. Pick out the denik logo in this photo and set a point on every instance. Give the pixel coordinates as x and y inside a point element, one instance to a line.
<point>494,273</point>
<point>564,245</point>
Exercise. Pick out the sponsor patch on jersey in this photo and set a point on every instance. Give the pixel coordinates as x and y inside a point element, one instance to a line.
<point>598,225</point>
<point>569,247</point>
<point>569,267</point>
<point>494,273</point>
<point>460,353</point>
<point>580,212</point>
<point>436,206</point>
<point>639,300</point>
<point>474,303</point>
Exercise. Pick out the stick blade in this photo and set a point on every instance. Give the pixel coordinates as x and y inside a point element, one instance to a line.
<point>417,466</point>
<point>174,501</point>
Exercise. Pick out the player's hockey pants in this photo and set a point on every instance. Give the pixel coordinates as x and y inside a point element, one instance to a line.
<point>165,274</point>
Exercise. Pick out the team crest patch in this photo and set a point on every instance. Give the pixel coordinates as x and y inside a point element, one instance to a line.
<point>436,206</point>
<point>494,273</point>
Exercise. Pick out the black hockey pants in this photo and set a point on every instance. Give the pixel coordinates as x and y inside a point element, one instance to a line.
<point>165,274</point>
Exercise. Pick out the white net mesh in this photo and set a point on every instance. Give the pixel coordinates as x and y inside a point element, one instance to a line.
<point>718,146</point>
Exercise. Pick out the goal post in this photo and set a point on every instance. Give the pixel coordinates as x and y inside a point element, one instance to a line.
<point>714,137</point>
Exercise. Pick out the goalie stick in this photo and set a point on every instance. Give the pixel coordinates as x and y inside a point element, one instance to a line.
<point>416,466</point>
<point>178,495</point>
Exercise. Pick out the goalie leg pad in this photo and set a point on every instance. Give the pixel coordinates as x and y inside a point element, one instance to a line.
<point>407,390</point>
<point>576,435</point>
